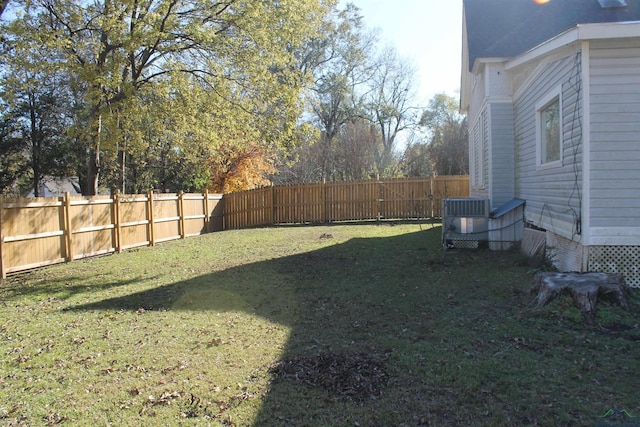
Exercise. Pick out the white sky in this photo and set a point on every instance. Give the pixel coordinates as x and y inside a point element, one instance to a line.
<point>427,33</point>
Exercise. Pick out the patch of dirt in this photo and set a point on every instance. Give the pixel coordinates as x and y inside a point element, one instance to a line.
<point>353,376</point>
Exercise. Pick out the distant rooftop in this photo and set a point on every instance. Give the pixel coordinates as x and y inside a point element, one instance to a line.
<point>56,187</point>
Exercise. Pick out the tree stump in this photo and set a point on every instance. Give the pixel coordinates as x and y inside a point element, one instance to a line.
<point>584,288</point>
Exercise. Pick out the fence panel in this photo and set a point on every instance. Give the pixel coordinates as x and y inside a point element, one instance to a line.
<point>342,201</point>
<point>448,186</point>
<point>409,198</point>
<point>193,213</point>
<point>248,207</point>
<point>43,231</point>
<point>33,233</point>
<point>166,217</point>
<point>92,226</point>
<point>352,201</point>
<point>298,203</point>
<point>214,207</point>
<point>132,221</point>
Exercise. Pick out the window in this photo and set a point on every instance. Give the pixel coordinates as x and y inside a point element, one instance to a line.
<point>549,130</point>
<point>479,141</point>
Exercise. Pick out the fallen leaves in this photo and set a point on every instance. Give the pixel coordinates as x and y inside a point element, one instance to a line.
<point>354,376</point>
<point>164,399</point>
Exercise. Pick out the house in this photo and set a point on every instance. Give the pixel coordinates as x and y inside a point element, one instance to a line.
<point>56,187</point>
<point>551,89</point>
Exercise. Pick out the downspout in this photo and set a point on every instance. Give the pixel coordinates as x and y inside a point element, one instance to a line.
<point>586,155</point>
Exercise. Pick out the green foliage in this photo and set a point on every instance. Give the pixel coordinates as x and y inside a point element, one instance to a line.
<point>416,161</point>
<point>36,107</point>
<point>448,149</point>
<point>186,95</point>
<point>13,159</point>
<point>237,60</point>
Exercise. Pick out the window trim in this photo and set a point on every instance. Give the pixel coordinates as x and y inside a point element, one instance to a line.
<point>541,105</point>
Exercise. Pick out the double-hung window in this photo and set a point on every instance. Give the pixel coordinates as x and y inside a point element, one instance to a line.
<point>549,130</point>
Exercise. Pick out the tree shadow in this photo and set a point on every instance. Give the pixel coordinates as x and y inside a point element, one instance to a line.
<point>349,307</point>
<point>63,289</point>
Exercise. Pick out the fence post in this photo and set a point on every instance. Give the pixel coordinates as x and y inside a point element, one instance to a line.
<point>181,213</point>
<point>3,273</point>
<point>272,220</point>
<point>151,231</point>
<point>324,201</point>
<point>116,220</point>
<point>68,232</point>
<point>431,197</point>
<point>207,226</point>
<point>379,204</point>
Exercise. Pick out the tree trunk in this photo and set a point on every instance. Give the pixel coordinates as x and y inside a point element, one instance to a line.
<point>93,172</point>
<point>93,166</point>
<point>584,288</point>
<point>36,157</point>
<point>122,157</point>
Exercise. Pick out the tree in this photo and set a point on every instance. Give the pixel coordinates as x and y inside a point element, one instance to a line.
<point>242,52</point>
<point>340,67</point>
<point>37,106</point>
<point>13,159</point>
<point>352,156</point>
<point>354,90</point>
<point>416,160</point>
<point>448,149</point>
<point>355,154</point>
<point>390,104</point>
<point>242,170</point>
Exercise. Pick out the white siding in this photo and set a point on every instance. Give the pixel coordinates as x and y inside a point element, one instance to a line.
<point>498,84</point>
<point>553,195</point>
<point>477,96</point>
<point>615,141</point>
<point>476,149</point>
<point>502,169</point>
<point>491,137</point>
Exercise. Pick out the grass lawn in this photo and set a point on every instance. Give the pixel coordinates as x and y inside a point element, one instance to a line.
<point>343,325</point>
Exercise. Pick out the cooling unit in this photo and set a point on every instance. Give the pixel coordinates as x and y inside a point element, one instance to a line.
<point>465,222</point>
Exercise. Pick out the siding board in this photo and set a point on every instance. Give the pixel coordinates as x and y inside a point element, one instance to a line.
<point>552,194</point>
<point>615,136</point>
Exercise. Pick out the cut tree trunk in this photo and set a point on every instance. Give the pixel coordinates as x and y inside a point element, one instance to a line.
<point>584,288</point>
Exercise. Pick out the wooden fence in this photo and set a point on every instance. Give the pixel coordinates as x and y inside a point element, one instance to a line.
<point>342,201</point>
<point>43,231</point>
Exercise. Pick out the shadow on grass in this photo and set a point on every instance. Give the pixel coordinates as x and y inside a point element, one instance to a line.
<point>399,332</point>
<point>63,289</point>
<point>348,304</point>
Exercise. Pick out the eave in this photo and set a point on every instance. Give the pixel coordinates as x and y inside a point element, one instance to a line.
<point>579,33</point>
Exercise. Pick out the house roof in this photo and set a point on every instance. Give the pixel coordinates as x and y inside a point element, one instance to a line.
<point>507,28</point>
<point>55,187</point>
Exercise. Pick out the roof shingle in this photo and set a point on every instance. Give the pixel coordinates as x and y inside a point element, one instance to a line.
<point>507,28</point>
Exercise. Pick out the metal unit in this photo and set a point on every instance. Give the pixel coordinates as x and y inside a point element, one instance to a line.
<point>465,222</point>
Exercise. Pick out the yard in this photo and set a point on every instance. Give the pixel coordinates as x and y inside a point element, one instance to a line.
<point>343,325</point>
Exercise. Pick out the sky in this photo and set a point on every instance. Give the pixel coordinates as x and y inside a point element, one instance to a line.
<point>428,33</point>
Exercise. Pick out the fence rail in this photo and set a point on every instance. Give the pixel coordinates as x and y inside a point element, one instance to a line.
<point>44,231</point>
